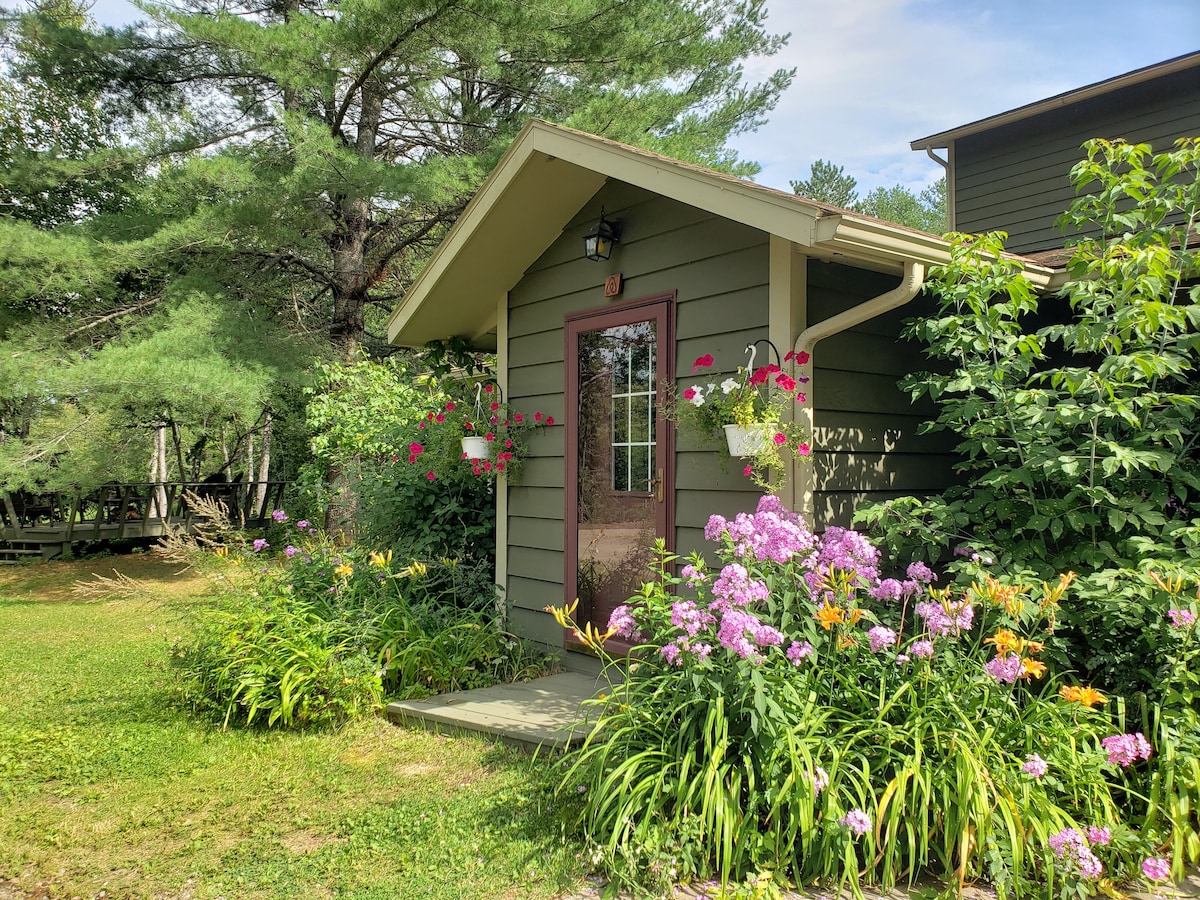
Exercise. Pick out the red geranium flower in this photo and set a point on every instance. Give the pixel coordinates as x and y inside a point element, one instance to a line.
<point>518,418</point>
<point>786,382</point>
<point>549,421</point>
<point>430,476</point>
<point>449,406</point>
<point>702,362</point>
<point>537,417</point>
<point>689,393</point>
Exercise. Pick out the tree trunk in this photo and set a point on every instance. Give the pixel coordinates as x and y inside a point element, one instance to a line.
<point>264,466</point>
<point>158,474</point>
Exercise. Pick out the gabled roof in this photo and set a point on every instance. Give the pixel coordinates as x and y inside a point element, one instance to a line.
<point>547,176</point>
<point>1067,98</point>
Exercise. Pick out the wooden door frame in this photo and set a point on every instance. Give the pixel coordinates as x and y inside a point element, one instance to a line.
<point>661,308</point>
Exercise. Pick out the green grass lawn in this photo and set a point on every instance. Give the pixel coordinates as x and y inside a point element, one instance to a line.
<point>107,785</point>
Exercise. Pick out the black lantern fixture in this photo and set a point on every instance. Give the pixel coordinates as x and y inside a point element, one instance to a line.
<point>598,243</point>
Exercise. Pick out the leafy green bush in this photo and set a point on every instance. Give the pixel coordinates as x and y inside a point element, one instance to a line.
<point>794,716</point>
<point>1077,415</point>
<point>324,634</point>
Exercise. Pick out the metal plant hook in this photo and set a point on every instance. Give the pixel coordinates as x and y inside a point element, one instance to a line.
<point>752,349</point>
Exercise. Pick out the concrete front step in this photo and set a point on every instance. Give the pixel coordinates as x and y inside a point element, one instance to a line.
<point>543,713</point>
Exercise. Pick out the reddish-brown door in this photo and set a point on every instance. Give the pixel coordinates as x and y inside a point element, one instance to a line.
<point>619,479</point>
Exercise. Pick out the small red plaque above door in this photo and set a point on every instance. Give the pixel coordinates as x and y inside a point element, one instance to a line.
<point>613,285</point>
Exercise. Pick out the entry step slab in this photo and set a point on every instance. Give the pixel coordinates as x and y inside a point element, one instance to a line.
<point>543,713</point>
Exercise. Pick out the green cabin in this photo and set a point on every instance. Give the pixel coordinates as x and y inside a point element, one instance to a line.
<point>704,263</point>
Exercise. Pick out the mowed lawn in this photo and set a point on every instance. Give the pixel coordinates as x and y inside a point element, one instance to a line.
<point>107,785</point>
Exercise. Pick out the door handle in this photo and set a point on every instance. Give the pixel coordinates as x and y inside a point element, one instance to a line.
<point>658,482</point>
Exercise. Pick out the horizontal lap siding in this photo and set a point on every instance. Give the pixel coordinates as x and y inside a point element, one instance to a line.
<point>1016,178</point>
<point>866,443</point>
<point>719,271</point>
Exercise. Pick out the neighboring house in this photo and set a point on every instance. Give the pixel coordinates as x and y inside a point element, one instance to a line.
<point>708,264</point>
<point>1009,172</point>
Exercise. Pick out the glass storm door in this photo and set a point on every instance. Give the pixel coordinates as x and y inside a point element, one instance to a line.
<point>618,480</point>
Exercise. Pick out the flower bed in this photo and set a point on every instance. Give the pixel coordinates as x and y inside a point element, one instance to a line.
<point>794,714</point>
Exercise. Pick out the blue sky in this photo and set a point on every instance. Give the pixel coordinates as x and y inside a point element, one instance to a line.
<point>873,75</point>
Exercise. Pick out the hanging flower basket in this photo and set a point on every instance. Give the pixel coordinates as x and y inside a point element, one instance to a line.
<point>475,447</point>
<point>750,440</point>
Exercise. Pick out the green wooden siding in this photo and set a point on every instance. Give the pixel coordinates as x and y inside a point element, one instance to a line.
<point>719,271</point>
<point>867,446</point>
<point>1015,178</point>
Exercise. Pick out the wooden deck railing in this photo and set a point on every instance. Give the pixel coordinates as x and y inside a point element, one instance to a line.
<point>117,511</point>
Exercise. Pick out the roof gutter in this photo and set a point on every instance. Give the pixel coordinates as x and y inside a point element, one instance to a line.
<point>909,287</point>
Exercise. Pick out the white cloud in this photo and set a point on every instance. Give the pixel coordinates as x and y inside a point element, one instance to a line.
<point>873,75</point>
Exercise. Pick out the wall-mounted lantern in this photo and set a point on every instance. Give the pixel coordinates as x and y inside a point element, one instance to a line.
<point>598,243</point>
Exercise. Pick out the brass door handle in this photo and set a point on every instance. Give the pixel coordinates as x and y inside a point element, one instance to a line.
<point>658,482</point>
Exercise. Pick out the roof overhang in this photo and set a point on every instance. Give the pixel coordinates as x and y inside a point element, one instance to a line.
<point>1138,76</point>
<point>550,172</point>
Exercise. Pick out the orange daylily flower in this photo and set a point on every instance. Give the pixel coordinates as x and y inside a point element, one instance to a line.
<point>829,616</point>
<point>1006,642</point>
<point>1032,668</point>
<point>1085,696</point>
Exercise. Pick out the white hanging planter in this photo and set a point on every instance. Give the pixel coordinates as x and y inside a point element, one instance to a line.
<point>475,447</point>
<point>749,440</point>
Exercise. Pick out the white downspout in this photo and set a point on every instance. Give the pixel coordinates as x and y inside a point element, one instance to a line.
<point>909,287</point>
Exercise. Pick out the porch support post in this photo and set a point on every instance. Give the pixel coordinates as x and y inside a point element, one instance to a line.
<point>502,478</point>
<point>787,318</point>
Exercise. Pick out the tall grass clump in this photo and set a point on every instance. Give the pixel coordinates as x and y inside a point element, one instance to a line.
<point>792,716</point>
<point>317,634</point>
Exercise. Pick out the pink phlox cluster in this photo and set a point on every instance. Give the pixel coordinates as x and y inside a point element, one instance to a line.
<point>921,649</point>
<point>857,821</point>
<point>1036,766</point>
<point>918,571</point>
<point>881,637</point>
<point>919,575</point>
<point>849,551</point>
<point>1071,848</point>
<point>737,587</point>
<point>888,589</point>
<point>1005,669</point>
<point>1156,868</point>
<point>820,779</point>
<point>693,576</point>
<point>623,621</point>
<point>744,633</point>
<point>946,620</point>
<point>673,653</point>
<point>1099,837</point>
<point>772,532</point>
<point>1181,618</point>
<point>797,652</point>
<point>687,615</point>
<point>1126,749</point>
